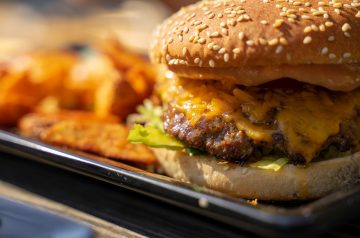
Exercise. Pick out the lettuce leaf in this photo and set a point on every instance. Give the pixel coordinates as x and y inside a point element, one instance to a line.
<point>271,163</point>
<point>148,114</point>
<point>153,137</point>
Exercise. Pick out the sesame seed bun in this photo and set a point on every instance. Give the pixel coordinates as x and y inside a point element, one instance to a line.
<point>246,33</point>
<point>289,183</point>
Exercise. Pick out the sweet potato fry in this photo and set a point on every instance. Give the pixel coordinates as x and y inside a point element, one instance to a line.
<point>34,124</point>
<point>85,79</point>
<point>97,84</point>
<point>115,97</point>
<point>135,69</point>
<point>25,80</point>
<point>12,107</point>
<point>111,81</point>
<point>105,139</point>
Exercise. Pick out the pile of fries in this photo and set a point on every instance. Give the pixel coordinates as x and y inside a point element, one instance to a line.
<point>77,99</point>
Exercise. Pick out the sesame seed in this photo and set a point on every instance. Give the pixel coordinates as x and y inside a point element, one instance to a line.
<point>324,51</point>
<point>279,49</point>
<point>305,17</point>
<point>314,27</point>
<point>201,27</point>
<point>212,63</point>
<point>191,38</point>
<point>202,41</point>
<point>307,4</point>
<point>214,34</point>
<point>317,13</point>
<point>337,5</point>
<point>307,40</point>
<point>225,31</point>
<point>283,14</point>
<point>226,57</point>
<point>170,40</point>
<point>329,24</point>
<point>332,56</point>
<point>180,38</point>
<point>347,34</point>
<point>291,20</point>
<point>196,23</point>
<point>357,14</point>
<point>216,47</point>
<point>278,23</point>
<point>236,50</point>
<point>241,35</point>
<point>274,41</point>
<point>246,17</point>
<point>222,51</point>
<point>264,22</point>
<point>307,29</point>
<point>220,15</point>
<point>240,18</point>
<point>197,60</point>
<point>196,38</point>
<point>290,11</point>
<point>331,38</point>
<point>223,24</point>
<point>231,22</point>
<point>250,42</point>
<point>262,41</point>
<point>283,41</point>
<point>346,27</point>
<point>346,55</point>
<point>292,16</point>
<point>184,51</point>
<point>192,15</point>
<point>322,27</point>
<point>210,45</point>
<point>326,16</point>
<point>337,11</point>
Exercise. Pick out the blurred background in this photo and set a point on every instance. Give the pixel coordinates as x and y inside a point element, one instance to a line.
<point>27,25</point>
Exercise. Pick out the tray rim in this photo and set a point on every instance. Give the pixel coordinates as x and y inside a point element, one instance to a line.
<point>265,220</point>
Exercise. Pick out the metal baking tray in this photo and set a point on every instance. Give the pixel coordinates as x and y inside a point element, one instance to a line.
<point>265,219</point>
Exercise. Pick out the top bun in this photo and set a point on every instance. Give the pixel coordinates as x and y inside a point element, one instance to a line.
<point>225,34</point>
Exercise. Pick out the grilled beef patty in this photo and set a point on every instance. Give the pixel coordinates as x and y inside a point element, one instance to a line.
<point>223,139</point>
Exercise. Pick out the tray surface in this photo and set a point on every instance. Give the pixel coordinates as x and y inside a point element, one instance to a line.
<point>270,218</point>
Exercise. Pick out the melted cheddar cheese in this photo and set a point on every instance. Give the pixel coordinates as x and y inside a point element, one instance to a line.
<point>305,117</point>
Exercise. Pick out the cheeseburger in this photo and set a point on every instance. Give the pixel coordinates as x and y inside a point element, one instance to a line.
<point>260,98</point>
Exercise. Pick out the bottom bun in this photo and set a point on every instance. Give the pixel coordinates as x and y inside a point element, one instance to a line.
<point>289,183</point>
